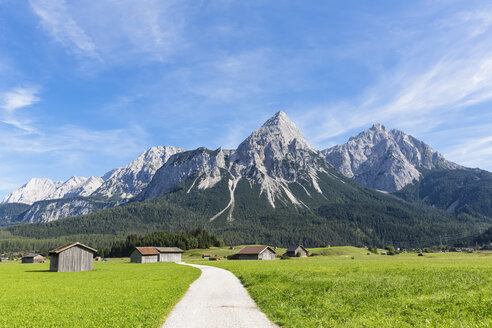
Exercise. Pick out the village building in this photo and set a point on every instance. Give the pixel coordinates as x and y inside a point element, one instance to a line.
<point>33,258</point>
<point>297,251</point>
<point>169,254</point>
<point>73,257</point>
<point>144,255</point>
<point>206,256</point>
<point>4,259</point>
<point>254,253</point>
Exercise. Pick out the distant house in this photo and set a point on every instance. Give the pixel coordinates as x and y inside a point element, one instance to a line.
<point>33,258</point>
<point>144,255</point>
<point>206,256</point>
<point>4,259</point>
<point>297,251</point>
<point>254,253</point>
<point>169,254</point>
<point>73,257</point>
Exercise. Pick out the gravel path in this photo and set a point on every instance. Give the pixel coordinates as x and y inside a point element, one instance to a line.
<point>216,299</point>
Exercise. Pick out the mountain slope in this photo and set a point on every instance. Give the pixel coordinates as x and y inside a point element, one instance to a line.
<point>457,191</point>
<point>127,182</point>
<point>276,189</point>
<point>385,160</point>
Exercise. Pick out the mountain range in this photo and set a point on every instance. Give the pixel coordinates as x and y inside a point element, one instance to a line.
<point>275,187</point>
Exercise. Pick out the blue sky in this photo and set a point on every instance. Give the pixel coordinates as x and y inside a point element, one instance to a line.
<point>89,85</point>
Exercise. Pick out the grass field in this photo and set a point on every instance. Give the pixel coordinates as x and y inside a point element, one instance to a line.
<point>115,294</point>
<point>436,290</point>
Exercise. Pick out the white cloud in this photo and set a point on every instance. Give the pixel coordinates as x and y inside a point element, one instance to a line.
<point>18,98</point>
<point>114,31</point>
<point>59,23</point>
<point>441,71</point>
<point>13,100</point>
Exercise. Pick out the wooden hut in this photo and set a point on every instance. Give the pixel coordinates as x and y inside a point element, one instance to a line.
<point>206,256</point>
<point>4,259</point>
<point>144,255</point>
<point>297,251</point>
<point>254,253</point>
<point>169,254</point>
<point>73,257</point>
<point>33,258</point>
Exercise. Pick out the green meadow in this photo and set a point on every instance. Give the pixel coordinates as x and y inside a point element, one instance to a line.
<point>115,294</point>
<point>348,288</point>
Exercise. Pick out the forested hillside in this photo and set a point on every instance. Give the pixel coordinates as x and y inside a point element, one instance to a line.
<point>457,191</point>
<point>348,215</point>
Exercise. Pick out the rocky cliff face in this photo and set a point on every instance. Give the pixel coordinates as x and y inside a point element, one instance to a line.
<point>46,211</point>
<point>127,182</point>
<point>273,156</point>
<point>116,186</point>
<point>38,189</point>
<point>385,160</point>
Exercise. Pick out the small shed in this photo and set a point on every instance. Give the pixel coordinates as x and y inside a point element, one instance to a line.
<point>4,259</point>
<point>254,253</point>
<point>33,258</point>
<point>169,254</point>
<point>297,251</point>
<point>206,256</point>
<point>144,255</point>
<point>73,257</point>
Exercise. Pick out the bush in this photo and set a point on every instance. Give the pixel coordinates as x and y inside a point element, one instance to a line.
<point>285,257</point>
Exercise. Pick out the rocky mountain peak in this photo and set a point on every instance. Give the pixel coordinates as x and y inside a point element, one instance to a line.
<point>385,160</point>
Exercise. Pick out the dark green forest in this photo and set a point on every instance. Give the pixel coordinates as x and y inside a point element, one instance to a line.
<point>459,191</point>
<point>345,214</point>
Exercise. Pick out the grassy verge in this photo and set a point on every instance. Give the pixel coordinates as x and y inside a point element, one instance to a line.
<point>115,294</point>
<point>439,290</point>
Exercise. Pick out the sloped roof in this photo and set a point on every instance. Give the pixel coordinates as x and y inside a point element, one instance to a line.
<point>32,255</point>
<point>147,250</point>
<point>169,250</point>
<point>293,248</point>
<point>253,250</point>
<point>70,245</point>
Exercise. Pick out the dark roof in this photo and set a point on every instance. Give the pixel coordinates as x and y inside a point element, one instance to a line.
<point>67,246</point>
<point>32,255</point>
<point>253,250</point>
<point>147,250</point>
<point>293,248</point>
<point>169,250</point>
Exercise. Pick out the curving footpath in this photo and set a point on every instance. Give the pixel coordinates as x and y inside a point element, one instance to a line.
<point>216,299</point>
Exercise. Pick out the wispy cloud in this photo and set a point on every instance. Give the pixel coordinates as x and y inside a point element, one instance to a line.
<point>434,77</point>
<point>59,23</point>
<point>13,100</point>
<point>112,31</point>
<point>18,98</point>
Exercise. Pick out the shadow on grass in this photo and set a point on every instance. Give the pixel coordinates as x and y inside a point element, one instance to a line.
<point>38,271</point>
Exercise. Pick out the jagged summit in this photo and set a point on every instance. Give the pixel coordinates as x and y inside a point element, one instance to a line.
<point>38,189</point>
<point>385,160</point>
<point>279,134</point>
<point>129,181</point>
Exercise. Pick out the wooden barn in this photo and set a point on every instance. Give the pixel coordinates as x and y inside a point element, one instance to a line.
<point>144,255</point>
<point>74,257</point>
<point>254,253</point>
<point>297,251</point>
<point>33,258</point>
<point>169,254</point>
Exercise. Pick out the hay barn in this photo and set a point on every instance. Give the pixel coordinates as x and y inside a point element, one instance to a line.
<point>254,253</point>
<point>73,257</point>
<point>169,254</point>
<point>144,255</point>
<point>33,258</point>
<point>297,251</point>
